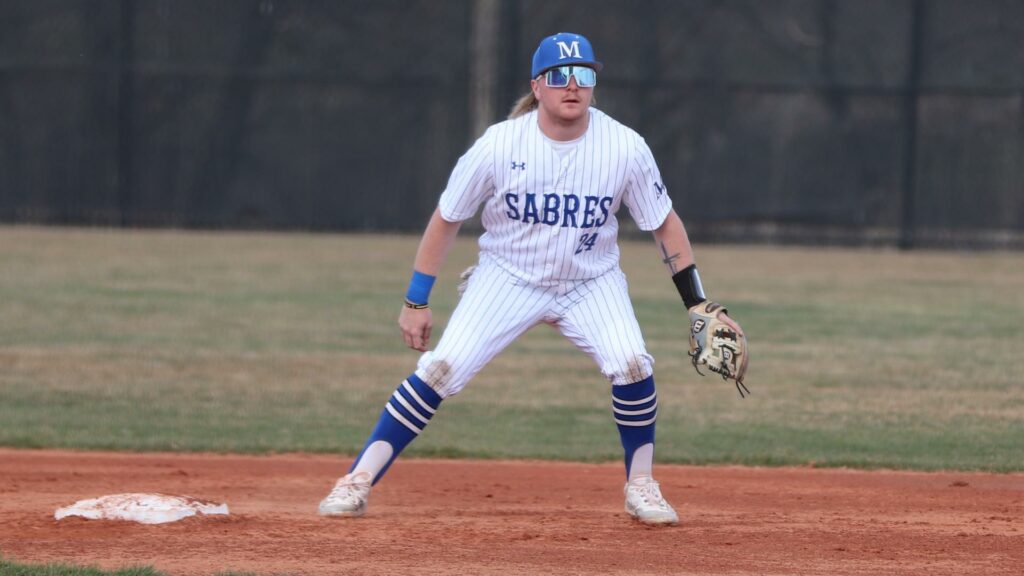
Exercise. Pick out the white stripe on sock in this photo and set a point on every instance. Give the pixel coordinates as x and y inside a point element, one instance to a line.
<point>628,423</point>
<point>635,412</point>
<point>401,400</point>
<point>402,419</point>
<point>633,402</point>
<point>412,392</point>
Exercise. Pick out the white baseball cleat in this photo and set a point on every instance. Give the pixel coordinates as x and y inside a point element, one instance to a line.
<point>349,496</point>
<point>645,503</point>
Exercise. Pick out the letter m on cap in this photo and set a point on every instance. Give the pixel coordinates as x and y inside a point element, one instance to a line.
<point>568,50</point>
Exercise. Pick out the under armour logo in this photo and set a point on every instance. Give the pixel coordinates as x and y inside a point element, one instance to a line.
<point>519,165</point>
<point>661,189</point>
<point>568,50</point>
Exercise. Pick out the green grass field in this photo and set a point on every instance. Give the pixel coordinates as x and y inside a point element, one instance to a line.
<point>238,342</point>
<point>17,569</point>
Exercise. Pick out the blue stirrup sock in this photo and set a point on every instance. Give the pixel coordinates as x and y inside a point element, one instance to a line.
<point>635,407</point>
<point>405,415</point>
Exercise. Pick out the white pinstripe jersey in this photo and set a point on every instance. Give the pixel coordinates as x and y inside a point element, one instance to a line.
<point>551,218</point>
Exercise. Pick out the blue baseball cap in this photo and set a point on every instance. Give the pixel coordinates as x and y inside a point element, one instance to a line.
<point>563,49</point>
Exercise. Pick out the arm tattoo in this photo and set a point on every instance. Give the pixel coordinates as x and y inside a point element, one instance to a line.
<point>669,261</point>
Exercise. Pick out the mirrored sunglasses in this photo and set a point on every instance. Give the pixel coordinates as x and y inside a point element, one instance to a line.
<point>559,77</point>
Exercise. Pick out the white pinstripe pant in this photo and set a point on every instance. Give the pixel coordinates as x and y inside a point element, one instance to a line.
<point>596,315</point>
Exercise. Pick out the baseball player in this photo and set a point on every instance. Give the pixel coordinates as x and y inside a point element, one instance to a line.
<point>551,180</point>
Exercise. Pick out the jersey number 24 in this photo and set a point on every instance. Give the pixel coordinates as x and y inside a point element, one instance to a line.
<point>586,242</point>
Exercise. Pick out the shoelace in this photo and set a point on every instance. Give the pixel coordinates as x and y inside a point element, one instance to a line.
<point>345,488</point>
<point>651,493</point>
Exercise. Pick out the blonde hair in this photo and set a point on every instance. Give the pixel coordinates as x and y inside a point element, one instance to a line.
<point>526,103</point>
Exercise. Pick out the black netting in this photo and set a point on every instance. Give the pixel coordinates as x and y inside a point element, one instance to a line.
<point>866,121</point>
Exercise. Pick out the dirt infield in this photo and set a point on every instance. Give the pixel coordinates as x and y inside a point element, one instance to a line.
<point>485,517</point>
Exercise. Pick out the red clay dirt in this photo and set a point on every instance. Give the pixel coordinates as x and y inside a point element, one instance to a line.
<point>490,517</point>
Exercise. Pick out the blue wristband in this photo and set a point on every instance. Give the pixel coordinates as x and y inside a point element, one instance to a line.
<point>419,287</point>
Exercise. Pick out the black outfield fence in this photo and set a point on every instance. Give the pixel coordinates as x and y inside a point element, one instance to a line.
<point>892,122</point>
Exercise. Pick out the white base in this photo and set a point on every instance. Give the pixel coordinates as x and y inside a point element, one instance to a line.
<point>142,508</point>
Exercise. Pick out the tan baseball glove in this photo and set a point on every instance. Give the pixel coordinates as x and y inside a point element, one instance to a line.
<point>464,279</point>
<point>715,344</point>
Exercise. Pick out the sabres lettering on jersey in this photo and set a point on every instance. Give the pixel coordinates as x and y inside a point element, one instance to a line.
<point>558,209</point>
